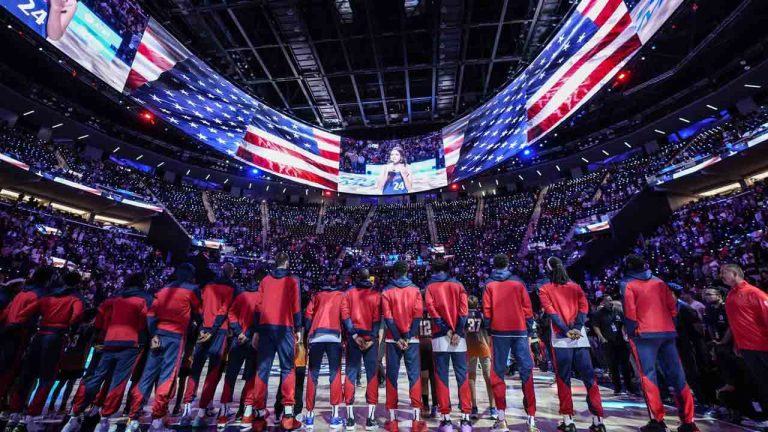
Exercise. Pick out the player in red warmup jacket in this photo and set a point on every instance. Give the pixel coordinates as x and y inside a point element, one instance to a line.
<point>279,327</point>
<point>17,332</point>
<point>403,309</point>
<point>565,303</point>
<point>362,344</point>
<point>217,297</point>
<point>123,318</point>
<point>508,316</point>
<point>649,312</point>
<point>168,319</point>
<point>747,309</point>
<point>245,307</point>
<point>59,310</point>
<point>447,305</point>
<point>324,316</point>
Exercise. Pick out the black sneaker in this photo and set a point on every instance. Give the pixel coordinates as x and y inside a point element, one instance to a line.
<point>445,426</point>
<point>371,424</point>
<point>688,427</point>
<point>350,426</point>
<point>597,428</point>
<point>567,427</point>
<point>654,426</point>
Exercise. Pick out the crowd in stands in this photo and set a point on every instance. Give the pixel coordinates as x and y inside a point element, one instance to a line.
<point>238,223</point>
<point>106,254</point>
<point>563,201</point>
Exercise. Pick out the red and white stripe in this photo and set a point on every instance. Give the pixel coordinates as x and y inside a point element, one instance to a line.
<point>581,76</point>
<point>158,52</point>
<point>283,158</point>
<point>453,139</point>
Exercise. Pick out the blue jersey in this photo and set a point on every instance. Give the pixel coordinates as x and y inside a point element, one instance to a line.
<point>394,184</point>
<point>33,13</point>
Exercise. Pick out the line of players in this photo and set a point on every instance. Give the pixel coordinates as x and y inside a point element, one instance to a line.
<point>251,327</point>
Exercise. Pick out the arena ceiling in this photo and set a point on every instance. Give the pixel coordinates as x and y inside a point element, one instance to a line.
<point>353,64</point>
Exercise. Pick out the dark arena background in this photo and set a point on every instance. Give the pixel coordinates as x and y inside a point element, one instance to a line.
<point>242,214</point>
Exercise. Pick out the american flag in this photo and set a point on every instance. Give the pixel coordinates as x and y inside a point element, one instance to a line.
<point>158,52</point>
<point>593,44</point>
<point>288,148</point>
<point>178,87</point>
<point>494,132</point>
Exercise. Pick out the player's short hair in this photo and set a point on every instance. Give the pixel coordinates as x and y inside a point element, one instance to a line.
<point>72,278</point>
<point>42,276</point>
<point>400,268</point>
<point>281,259</point>
<point>138,280</point>
<point>500,261</point>
<point>734,268</point>
<point>440,264</point>
<point>363,274</point>
<point>634,263</point>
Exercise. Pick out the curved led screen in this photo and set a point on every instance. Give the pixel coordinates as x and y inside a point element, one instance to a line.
<point>133,53</point>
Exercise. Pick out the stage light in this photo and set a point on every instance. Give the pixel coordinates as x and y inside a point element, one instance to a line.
<point>160,164</point>
<point>454,187</point>
<point>148,116</point>
<point>527,152</point>
<point>57,125</point>
<point>254,171</point>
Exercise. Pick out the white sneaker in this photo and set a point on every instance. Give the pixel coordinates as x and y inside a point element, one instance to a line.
<point>73,425</point>
<point>755,424</point>
<point>158,426</point>
<point>103,426</point>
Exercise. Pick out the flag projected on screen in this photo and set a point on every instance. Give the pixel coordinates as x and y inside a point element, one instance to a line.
<point>131,52</point>
<point>494,132</point>
<point>179,88</point>
<point>283,146</point>
<point>592,45</point>
<point>595,42</point>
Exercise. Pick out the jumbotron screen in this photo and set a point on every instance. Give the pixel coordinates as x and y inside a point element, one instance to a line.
<point>130,51</point>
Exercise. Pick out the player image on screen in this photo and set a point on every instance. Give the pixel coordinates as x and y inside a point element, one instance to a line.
<point>392,166</point>
<point>397,177</point>
<point>60,14</point>
<point>100,35</point>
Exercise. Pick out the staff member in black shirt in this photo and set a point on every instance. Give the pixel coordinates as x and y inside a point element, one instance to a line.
<point>608,324</point>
